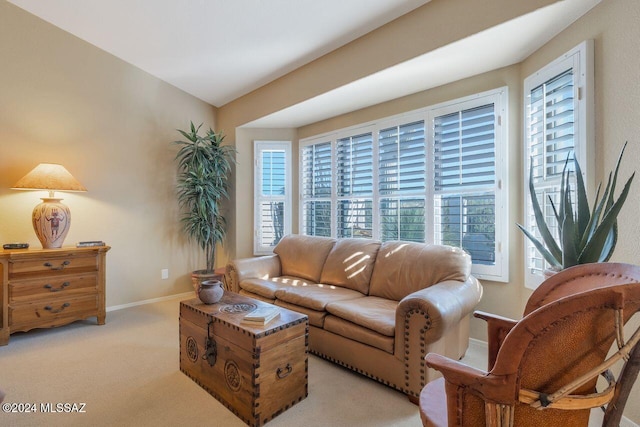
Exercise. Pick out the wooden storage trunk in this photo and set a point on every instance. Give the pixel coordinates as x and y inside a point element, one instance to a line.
<point>255,371</point>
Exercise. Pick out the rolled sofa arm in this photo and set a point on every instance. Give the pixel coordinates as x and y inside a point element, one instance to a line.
<point>433,319</point>
<point>443,306</point>
<point>251,268</point>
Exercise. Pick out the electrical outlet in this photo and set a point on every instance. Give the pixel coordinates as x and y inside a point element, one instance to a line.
<point>164,273</point>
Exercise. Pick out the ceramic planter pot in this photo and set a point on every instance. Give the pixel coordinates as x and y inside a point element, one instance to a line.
<point>210,291</point>
<point>199,276</point>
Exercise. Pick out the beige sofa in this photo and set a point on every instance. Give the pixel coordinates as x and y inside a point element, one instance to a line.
<point>375,308</point>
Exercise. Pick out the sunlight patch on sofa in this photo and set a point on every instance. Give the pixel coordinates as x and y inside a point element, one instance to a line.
<point>395,250</point>
<point>362,260</point>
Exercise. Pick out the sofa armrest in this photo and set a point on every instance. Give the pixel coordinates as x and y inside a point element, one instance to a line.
<point>439,307</point>
<point>433,319</point>
<point>251,268</point>
<point>497,329</point>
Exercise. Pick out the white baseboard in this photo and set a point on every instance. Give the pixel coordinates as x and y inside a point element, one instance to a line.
<point>478,343</point>
<point>482,346</point>
<point>149,301</point>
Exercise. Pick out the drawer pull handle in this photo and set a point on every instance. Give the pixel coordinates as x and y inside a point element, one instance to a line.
<point>60,267</point>
<point>282,373</point>
<point>61,288</point>
<point>49,308</point>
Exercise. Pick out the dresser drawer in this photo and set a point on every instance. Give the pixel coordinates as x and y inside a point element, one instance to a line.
<point>55,264</point>
<point>54,286</point>
<point>54,312</point>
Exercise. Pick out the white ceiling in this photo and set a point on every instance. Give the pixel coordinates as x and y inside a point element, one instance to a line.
<point>219,50</point>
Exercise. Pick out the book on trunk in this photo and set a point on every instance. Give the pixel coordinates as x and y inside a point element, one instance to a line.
<point>261,316</point>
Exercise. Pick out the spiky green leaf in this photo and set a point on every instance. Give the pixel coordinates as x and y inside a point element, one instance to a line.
<point>541,248</point>
<point>594,248</point>
<point>582,203</point>
<point>543,229</point>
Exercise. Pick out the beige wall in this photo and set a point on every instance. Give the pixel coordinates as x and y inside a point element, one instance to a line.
<point>64,101</point>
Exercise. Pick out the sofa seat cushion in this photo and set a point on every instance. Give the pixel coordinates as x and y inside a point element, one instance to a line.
<point>357,333</point>
<point>303,256</point>
<point>316,318</point>
<point>377,314</point>
<point>350,264</point>
<point>315,296</point>
<point>268,287</point>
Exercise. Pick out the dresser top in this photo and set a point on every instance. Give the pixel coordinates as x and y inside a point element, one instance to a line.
<point>65,251</point>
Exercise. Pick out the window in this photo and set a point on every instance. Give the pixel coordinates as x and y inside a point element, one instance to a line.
<point>558,125</point>
<point>433,175</point>
<point>316,189</point>
<point>465,180</point>
<point>273,194</point>
<point>354,164</point>
<point>401,182</point>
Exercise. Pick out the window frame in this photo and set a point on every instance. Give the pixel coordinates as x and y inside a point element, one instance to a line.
<point>581,60</point>
<point>260,146</point>
<point>499,272</point>
<point>499,97</point>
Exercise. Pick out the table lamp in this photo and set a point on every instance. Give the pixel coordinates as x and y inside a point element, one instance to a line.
<point>51,218</point>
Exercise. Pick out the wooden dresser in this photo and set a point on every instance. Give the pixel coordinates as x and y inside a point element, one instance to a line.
<point>45,288</point>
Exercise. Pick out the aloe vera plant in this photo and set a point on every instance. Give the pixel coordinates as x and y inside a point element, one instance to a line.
<point>585,235</point>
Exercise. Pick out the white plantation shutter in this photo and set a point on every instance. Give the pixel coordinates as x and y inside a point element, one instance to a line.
<point>551,140</point>
<point>273,194</point>
<point>464,149</point>
<point>551,118</point>
<point>394,180</point>
<point>316,172</point>
<point>401,182</point>
<point>465,181</point>
<point>354,169</point>
<point>555,129</point>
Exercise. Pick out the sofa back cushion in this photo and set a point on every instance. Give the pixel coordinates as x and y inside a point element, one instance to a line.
<point>350,264</point>
<point>402,268</point>
<point>303,256</point>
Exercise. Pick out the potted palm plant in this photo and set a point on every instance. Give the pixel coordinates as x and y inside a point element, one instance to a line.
<point>204,166</point>
<point>584,235</point>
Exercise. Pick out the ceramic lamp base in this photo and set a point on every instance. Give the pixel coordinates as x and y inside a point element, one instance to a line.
<point>51,222</point>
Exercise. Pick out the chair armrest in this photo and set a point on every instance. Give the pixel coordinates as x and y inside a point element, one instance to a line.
<point>262,267</point>
<point>497,329</point>
<point>490,387</point>
<point>453,371</point>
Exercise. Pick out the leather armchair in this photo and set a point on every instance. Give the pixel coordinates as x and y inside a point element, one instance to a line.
<point>568,328</point>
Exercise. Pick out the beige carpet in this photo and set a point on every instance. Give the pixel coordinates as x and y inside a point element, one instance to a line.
<point>127,373</point>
